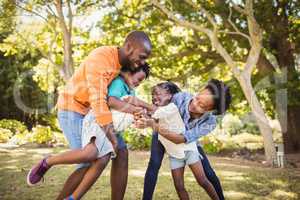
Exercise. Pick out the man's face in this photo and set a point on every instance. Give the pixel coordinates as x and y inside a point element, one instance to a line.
<point>160,96</point>
<point>202,102</point>
<point>137,54</point>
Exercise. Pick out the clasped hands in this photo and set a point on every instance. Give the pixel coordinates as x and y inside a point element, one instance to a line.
<point>143,120</point>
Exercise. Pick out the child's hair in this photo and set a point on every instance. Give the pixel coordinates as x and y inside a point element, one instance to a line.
<point>171,87</point>
<point>145,68</point>
<point>221,93</point>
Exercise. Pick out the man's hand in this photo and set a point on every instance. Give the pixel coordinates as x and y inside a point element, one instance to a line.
<point>110,134</point>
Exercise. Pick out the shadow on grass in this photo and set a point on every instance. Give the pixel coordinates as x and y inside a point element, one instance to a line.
<point>240,179</point>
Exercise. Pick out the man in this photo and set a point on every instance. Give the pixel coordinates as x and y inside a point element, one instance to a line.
<point>199,120</point>
<point>87,89</point>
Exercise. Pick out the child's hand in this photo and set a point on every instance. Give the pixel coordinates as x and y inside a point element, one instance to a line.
<point>129,99</point>
<point>137,110</point>
<point>152,110</point>
<point>140,114</point>
<point>144,122</point>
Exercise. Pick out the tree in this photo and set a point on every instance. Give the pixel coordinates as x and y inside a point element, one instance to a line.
<point>53,18</point>
<point>15,61</point>
<point>243,75</point>
<point>280,22</point>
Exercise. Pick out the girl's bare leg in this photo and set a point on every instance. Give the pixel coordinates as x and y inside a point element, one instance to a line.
<point>91,176</point>
<point>178,178</point>
<point>200,176</point>
<point>76,156</point>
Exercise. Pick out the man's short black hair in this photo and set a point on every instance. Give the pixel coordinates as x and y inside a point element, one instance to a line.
<point>221,93</point>
<point>145,68</point>
<point>138,36</point>
<point>171,87</point>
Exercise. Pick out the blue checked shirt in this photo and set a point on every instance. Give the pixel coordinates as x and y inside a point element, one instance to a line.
<point>196,128</point>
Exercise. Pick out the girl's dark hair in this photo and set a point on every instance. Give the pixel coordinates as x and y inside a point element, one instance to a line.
<point>221,93</point>
<point>171,87</point>
<point>145,68</point>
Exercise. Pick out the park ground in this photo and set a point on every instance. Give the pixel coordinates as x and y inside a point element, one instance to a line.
<point>241,179</point>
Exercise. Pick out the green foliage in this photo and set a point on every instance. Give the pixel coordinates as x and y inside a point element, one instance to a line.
<point>233,133</point>
<point>41,135</point>
<point>179,54</point>
<point>5,134</point>
<point>50,120</point>
<point>137,139</point>
<point>234,125</point>
<point>7,17</point>
<point>15,126</point>
<point>211,144</point>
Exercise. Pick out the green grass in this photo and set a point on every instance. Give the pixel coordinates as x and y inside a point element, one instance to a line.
<point>240,179</point>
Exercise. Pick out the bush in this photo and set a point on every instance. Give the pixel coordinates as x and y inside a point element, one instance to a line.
<point>220,140</point>
<point>59,138</point>
<point>14,126</point>
<point>249,141</point>
<point>137,139</point>
<point>251,128</point>
<point>20,139</point>
<point>211,144</point>
<point>232,124</point>
<point>5,134</point>
<point>41,135</point>
<point>49,120</point>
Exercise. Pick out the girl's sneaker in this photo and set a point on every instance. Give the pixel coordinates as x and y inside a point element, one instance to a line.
<point>37,172</point>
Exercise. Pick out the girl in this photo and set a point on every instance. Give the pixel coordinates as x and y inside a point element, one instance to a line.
<point>163,94</point>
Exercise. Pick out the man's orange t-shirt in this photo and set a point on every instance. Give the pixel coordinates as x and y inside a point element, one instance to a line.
<point>87,88</point>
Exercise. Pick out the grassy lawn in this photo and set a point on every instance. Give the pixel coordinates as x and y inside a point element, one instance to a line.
<point>240,179</point>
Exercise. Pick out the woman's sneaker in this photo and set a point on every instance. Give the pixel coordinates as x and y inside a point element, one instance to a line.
<point>37,172</point>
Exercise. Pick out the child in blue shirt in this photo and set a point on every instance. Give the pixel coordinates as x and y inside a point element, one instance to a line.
<point>97,149</point>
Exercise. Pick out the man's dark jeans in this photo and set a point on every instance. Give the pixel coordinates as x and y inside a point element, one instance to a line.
<point>156,157</point>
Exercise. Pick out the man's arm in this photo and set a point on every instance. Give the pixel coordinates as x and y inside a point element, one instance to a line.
<point>110,134</point>
<point>98,74</point>
<point>97,78</point>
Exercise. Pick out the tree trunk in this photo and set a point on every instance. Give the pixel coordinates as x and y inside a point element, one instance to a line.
<point>291,125</point>
<point>284,51</point>
<point>260,117</point>
<point>291,137</point>
<point>68,59</point>
<point>67,69</point>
